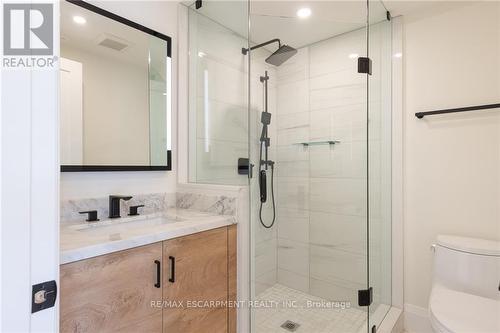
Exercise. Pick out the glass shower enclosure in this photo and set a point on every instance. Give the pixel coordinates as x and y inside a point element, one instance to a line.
<point>299,110</point>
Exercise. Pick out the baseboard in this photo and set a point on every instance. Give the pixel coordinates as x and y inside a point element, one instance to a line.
<point>416,319</point>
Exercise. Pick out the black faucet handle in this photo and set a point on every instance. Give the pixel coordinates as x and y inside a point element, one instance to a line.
<point>121,197</point>
<point>92,215</point>
<point>133,210</point>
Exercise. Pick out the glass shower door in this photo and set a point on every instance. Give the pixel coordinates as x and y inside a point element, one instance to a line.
<point>379,162</point>
<point>318,134</point>
<point>218,91</point>
<point>311,262</point>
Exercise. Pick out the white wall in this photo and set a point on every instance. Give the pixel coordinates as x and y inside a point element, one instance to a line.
<point>29,192</point>
<point>452,162</point>
<point>162,17</point>
<point>115,108</point>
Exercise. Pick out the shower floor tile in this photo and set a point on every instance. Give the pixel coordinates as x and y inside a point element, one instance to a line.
<point>310,319</point>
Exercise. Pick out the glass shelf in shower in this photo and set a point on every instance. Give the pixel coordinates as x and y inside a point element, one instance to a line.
<point>317,143</point>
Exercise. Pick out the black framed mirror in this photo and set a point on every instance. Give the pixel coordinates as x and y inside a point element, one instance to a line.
<point>115,92</point>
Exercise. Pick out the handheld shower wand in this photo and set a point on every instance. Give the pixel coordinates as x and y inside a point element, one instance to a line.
<point>265,163</point>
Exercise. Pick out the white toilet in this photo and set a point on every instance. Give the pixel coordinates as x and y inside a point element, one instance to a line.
<point>465,293</point>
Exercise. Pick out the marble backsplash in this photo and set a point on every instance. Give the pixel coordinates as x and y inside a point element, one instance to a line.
<point>153,203</point>
<point>219,204</point>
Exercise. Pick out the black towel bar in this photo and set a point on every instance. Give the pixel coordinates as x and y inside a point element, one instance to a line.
<point>420,115</point>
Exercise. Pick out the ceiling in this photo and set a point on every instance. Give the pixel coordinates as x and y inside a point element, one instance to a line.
<point>277,18</point>
<point>86,37</point>
<point>427,7</point>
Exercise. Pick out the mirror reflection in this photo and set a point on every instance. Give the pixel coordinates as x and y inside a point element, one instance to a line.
<point>115,92</point>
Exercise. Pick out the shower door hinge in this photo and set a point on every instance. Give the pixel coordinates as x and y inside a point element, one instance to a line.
<point>388,15</point>
<point>198,4</point>
<point>365,65</point>
<point>365,297</point>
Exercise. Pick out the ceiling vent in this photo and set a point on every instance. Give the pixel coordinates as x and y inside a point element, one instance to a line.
<point>112,42</point>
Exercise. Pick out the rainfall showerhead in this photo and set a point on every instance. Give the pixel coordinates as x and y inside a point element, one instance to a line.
<point>281,55</point>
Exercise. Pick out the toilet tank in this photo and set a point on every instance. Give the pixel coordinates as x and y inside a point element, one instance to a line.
<point>469,265</point>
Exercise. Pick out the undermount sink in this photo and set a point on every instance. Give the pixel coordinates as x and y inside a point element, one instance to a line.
<point>127,222</point>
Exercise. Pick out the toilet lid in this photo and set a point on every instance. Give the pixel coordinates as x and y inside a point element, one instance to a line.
<point>470,245</point>
<point>456,312</point>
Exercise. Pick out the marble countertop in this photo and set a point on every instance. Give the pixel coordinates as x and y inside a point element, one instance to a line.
<point>83,240</point>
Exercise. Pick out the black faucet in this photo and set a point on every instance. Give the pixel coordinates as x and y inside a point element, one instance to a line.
<point>114,205</point>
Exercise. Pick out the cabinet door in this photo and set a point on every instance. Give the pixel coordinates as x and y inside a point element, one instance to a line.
<point>112,293</point>
<point>195,270</point>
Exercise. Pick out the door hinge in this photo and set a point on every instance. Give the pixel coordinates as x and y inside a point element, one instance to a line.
<point>365,65</point>
<point>365,297</point>
<point>198,4</point>
<point>43,296</point>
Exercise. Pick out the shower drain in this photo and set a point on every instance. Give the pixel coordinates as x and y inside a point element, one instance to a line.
<point>290,326</point>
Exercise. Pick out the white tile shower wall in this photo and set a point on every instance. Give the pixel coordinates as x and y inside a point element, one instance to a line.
<point>265,240</point>
<point>292,180</point>
<point>322,189</point>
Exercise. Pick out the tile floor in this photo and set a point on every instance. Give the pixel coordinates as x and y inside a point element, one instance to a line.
<point>311,319</point>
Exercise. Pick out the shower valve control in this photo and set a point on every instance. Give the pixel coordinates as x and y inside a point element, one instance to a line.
<point>245,167</point>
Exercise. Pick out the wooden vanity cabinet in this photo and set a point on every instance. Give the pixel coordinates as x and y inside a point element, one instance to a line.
<point>195,278</point>
<point>114,292</point>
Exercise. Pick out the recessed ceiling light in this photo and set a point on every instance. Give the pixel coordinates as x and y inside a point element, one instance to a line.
<point>304,12</point>
<point>79,20</point>
<point>353,56</point>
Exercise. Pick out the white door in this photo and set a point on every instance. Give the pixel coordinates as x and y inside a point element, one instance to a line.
<point>29,198</point>
<point>71,112</point>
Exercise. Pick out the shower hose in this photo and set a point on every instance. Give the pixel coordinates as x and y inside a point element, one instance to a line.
<point>272,193</point>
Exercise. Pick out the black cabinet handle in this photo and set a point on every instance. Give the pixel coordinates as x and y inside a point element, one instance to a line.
<point>158,274</point>
<point>172,269</point>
